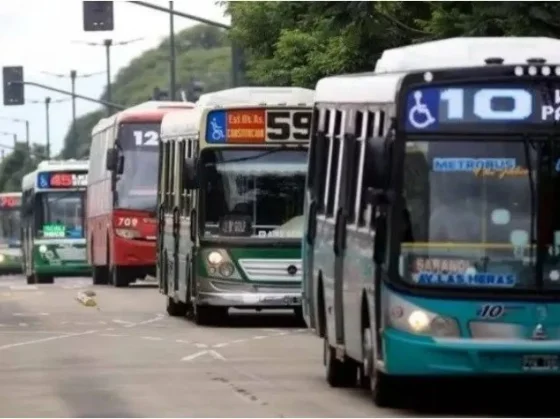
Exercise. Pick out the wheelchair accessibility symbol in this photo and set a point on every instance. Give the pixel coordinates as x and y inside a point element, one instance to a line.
<point>419,114</point>
<point>217,130</point>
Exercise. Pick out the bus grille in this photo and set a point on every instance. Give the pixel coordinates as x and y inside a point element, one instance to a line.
<point>282,270</point>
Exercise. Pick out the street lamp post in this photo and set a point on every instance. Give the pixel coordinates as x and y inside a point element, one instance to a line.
<point>10,134</point>
<point>48,125</point>
<point>26,122</point>
<point>107,44</point>
<point>172,55</point>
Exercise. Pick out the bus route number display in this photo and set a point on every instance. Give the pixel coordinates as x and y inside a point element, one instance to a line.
<point>10,201</point>
<point>480,107</point>
<point>258,126</point>
<point>61,180</point>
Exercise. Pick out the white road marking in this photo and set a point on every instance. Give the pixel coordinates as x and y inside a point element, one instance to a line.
<point>201,345</point>
<point>37,341</point>
<point>24,287</point>
<point>221,345</point>
<point>210,352</point>
<point>111,335</point>
<point>259,337</point>
<point>150,338</point>
<point>182,341</point>
<point>30,314</point>
<point>123,322</point>
<point>23,324</point>
<point>155,319</point>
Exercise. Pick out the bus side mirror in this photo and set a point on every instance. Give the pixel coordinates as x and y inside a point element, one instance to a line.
<point>111,160</point>
<point>190,176</point>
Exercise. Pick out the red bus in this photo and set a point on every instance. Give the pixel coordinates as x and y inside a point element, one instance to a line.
<point>122,193</point>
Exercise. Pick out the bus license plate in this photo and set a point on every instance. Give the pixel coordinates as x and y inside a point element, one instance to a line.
<point>540,363</point>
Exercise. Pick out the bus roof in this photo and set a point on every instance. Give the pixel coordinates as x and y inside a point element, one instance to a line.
<point>150,111</point>
<point>180,123</point>
<point>29,180</point>
<point>257,96</point>
<point>382,85</point>
<point>468,52</point>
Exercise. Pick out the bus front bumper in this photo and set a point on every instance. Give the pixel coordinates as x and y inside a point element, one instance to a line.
<point>410,355</point>
<point>243,295</point>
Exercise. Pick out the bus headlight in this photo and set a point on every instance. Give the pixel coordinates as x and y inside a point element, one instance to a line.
<point>226,269</point>
<point>2,258</point>
<point>219,264</point>
<point>214,258</point>
<point>407,317</point>
<point>42,248</point>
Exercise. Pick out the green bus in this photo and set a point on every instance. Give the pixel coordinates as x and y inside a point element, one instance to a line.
<point>231,183</point>
<point>52,217</point>
<point>10,233</point>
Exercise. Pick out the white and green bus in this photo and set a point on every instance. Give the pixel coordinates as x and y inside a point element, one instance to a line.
<point>231,183</point>
<point>10,233</point>
<point>52,220</point>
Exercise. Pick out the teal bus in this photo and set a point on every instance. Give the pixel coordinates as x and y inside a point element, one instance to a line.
<point>232,177</point>
<point>10,233</point>
<point>432,241</point>
<point>52,214</point>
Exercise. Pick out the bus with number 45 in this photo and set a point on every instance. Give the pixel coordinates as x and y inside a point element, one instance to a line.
<point>432,233</point>
<point>52,221</point>
<point>231,186</point>
<point>122,193</point>
<point>10,233</point>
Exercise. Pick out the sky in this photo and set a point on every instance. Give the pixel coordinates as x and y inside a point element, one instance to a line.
<point>46,38</point>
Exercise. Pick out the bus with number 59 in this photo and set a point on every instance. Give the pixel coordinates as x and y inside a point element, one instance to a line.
<point>231,186</point>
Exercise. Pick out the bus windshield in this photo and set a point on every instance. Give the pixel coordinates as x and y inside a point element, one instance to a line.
<point>468,214</point>
<point>10,225</point>
<point>254,193</point>
<point>136,187</point>
<point>61,215</point>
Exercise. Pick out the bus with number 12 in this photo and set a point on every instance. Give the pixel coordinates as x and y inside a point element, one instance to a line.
<point>122,193</point>
<point>432,234</point>
<point>231,185</point>
<point>52,221</point>
<point>10,232</point>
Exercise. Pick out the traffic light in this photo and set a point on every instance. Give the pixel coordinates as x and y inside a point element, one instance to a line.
<point>12,80</point>
<point>98,16</point>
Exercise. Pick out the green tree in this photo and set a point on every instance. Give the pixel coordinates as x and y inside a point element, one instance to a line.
<point>17,164</point>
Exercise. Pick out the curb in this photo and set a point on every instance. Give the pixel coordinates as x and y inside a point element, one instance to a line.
<point>86,298</point>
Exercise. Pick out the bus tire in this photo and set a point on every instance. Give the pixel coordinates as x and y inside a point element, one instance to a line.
<point>30,279</point>
<point>380,385</point>
<point>210,315</point>
<point>176,308</point>
<point>119,277</point>
<point>100,275</point>
<point>298,312</point>
<point>338,373</point>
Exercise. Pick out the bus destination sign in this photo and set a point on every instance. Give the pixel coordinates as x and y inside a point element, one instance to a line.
<point>479,108</point>
<point>10,201</point>
<point>258,126</point>
<point>62,180</point>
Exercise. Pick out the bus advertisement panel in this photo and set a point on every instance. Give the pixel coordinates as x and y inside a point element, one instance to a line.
<point>53,239</point>
<point>122,193</point>
<point>10,232</point>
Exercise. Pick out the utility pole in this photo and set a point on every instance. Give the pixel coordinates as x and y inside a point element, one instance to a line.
<point>108,43</point>
<point>73,76</point>
<point>48,126</point>
<point>26,122</point>
<point>172,56</point>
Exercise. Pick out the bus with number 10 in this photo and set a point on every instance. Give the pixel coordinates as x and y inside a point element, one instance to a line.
<point>121,211</point>
<point>231,185</point>
<point>432,234</point>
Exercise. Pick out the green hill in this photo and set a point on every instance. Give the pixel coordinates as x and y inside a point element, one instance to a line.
<point>203,54</point>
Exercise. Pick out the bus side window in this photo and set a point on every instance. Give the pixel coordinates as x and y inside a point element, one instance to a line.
<point>353,164</point>
<point>332,167</point>
<point>166,170</point>
<point>320,145</point>
<point>171,180</point>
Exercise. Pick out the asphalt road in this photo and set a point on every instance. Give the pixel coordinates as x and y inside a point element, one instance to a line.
<point>126,358</point>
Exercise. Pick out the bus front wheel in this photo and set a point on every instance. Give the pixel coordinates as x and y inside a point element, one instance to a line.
<point>380,385</point>
<point>338,373</point>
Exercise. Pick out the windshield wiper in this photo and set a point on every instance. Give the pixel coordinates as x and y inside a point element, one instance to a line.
<point>527,144</point>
